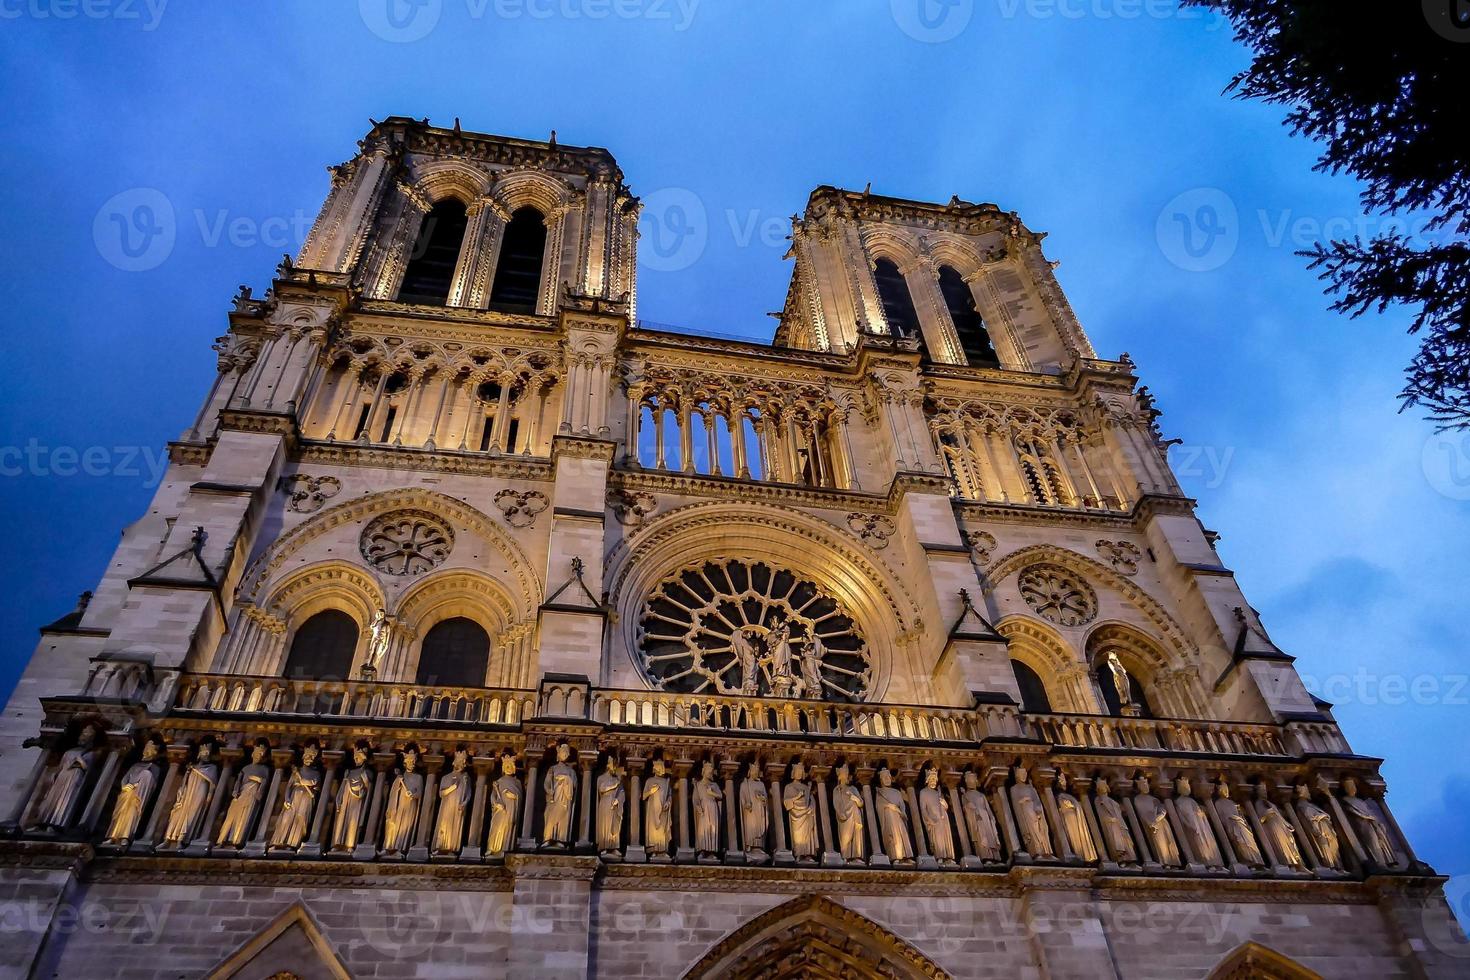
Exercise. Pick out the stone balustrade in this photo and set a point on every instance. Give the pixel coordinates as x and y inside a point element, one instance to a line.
<point>1162,735</point>
<point>234,693</point>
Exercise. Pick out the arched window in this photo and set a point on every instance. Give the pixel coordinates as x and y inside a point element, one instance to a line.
<point>323,647</point>
<point>898,303</point>
<point>974,338</point>
<point>456,653</point>
<point>430,270</point>
<point>518,272</point>
<point>1033,691</point>
<point>1110,691</point>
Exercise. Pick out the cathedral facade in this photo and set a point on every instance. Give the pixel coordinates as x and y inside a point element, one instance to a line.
<point>478,628</point>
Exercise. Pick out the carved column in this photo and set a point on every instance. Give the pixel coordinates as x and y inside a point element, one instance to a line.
<point>735,843</point>
<point>483,765</point>
<point>589,801</point>
<point>635,852</point>
<point>315,844</point>
<point>774,772</point>
<point>157,820</point>
<point>367,847</point>
<point>202,844</point>
<point>430,766</point>
<point>684,849</point>
<point>527,841</point>
<point>831,858</point>
<point>924,859</point>
<point>104,786</point>
<point>864,776</point>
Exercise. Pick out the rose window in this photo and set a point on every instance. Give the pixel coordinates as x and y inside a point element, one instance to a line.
<point>407,542</point>
<point>1058,595</point>
<point>739,627</point>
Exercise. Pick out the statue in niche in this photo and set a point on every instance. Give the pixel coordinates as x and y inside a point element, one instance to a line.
<point>1278,830</point>
<point>934,811</point>
<point>658,805</point>
<point>1197,825</point>
<point>1030,816</point>
<point>1237,828</point>
<point>611,799</point>
<point>133,796</point>
<point>811,667</point>
<point>294,823</point>
<point>380,637</point>
<point>847,805</point>
<point>1319,825</point>
<point>249,791</point>
<point>1074,822</point>
<point>708,804</point>
<point>1114,826</point>
<point>454,800</point>
<point>1155,821</point>
<point>893,819</point>
<point>560,785</point>
<point>778,660</point>
<point>755,813</point>
<point>186,817</point>
<point>71,776</point>
<point>1371,830</point>
<point>404,798</point>
<point>801,805</point>
<point>980,820</point>
<point>352,800</point>
<point>505,804</point>
<point>1121,683</point>
<point>743,647</point>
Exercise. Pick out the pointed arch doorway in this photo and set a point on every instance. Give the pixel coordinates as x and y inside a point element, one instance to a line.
<point>813,938</point>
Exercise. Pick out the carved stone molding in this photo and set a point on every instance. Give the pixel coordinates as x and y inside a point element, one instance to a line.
<point>1058,595</point>
<point>520,507</point>
<point>407,542</point>
<point>631,507</point>
<point>309,493</point>
<point>1122,555</point>
<point>875,529</point>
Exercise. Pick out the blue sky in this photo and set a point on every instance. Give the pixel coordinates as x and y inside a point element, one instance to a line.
<point>1099,121</point>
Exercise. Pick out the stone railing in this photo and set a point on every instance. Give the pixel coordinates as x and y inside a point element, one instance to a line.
<point>234,693</point>
<point>1162,735</point>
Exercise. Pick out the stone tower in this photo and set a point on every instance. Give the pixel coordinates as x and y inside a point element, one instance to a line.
<point>477,628</point>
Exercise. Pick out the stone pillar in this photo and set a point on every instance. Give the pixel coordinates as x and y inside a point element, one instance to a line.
<point>831,857</point>
<point>483,765</point>
<point>527,840</point>
<point>734,841</point>
<point>558,888</point>
<point>106,782</point>
<point>146,841</point>
<point>314,844</point>
<point>864,776</point>
<point>202,844</point>
<point>635,852</point>
<point>782,854</point>
<point>589,802</point>
<point>684,846</point>
<point>280,762</point>
<point>430,766</point>
<point>1067,937</point>
<point>367,847</point>
<point>924,859</point>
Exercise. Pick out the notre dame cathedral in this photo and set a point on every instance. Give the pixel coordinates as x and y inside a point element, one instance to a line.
<point>480,629</point>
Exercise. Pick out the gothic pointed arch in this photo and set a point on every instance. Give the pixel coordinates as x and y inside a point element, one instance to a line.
<point>813,936</point>
<point>785,538</point>
<point>1252,961</point>
<point>1043,651</point>
<point>291,944</point>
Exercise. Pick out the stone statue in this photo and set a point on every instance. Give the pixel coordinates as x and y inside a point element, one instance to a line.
<point>1237,828</point>
<point>893,819</point>
<point>801,806</point>
<point>404,799</point>
<point>1114,826</point>
<point>133,796</point>
<point>505,804</point>
<point>71,777</point>
<point>847,805</point>
<point>1371,830</point>
<point>560,786</point>
<point>1319,825</point>
<point>658,805</point>
<point>980,820</point>
<point>745,655</point>
<point>811,666</point>
<point>249,791</point>
<point>708,804</point>
<point>294,823</point>
<point>1155,820</point>
<point>1197,826</point>
<point>1074,822</point>
<point>1278,830</point>
<point>187,814</point>
<point>352,800</point>
<point>1030,816</point>
<point>380,636</point>
<point>755,813</point>
<point>611,799</point>
<point>1121,683</point>
<point>778,647</point>
<point>934,811</point>
<point>454,800</point>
